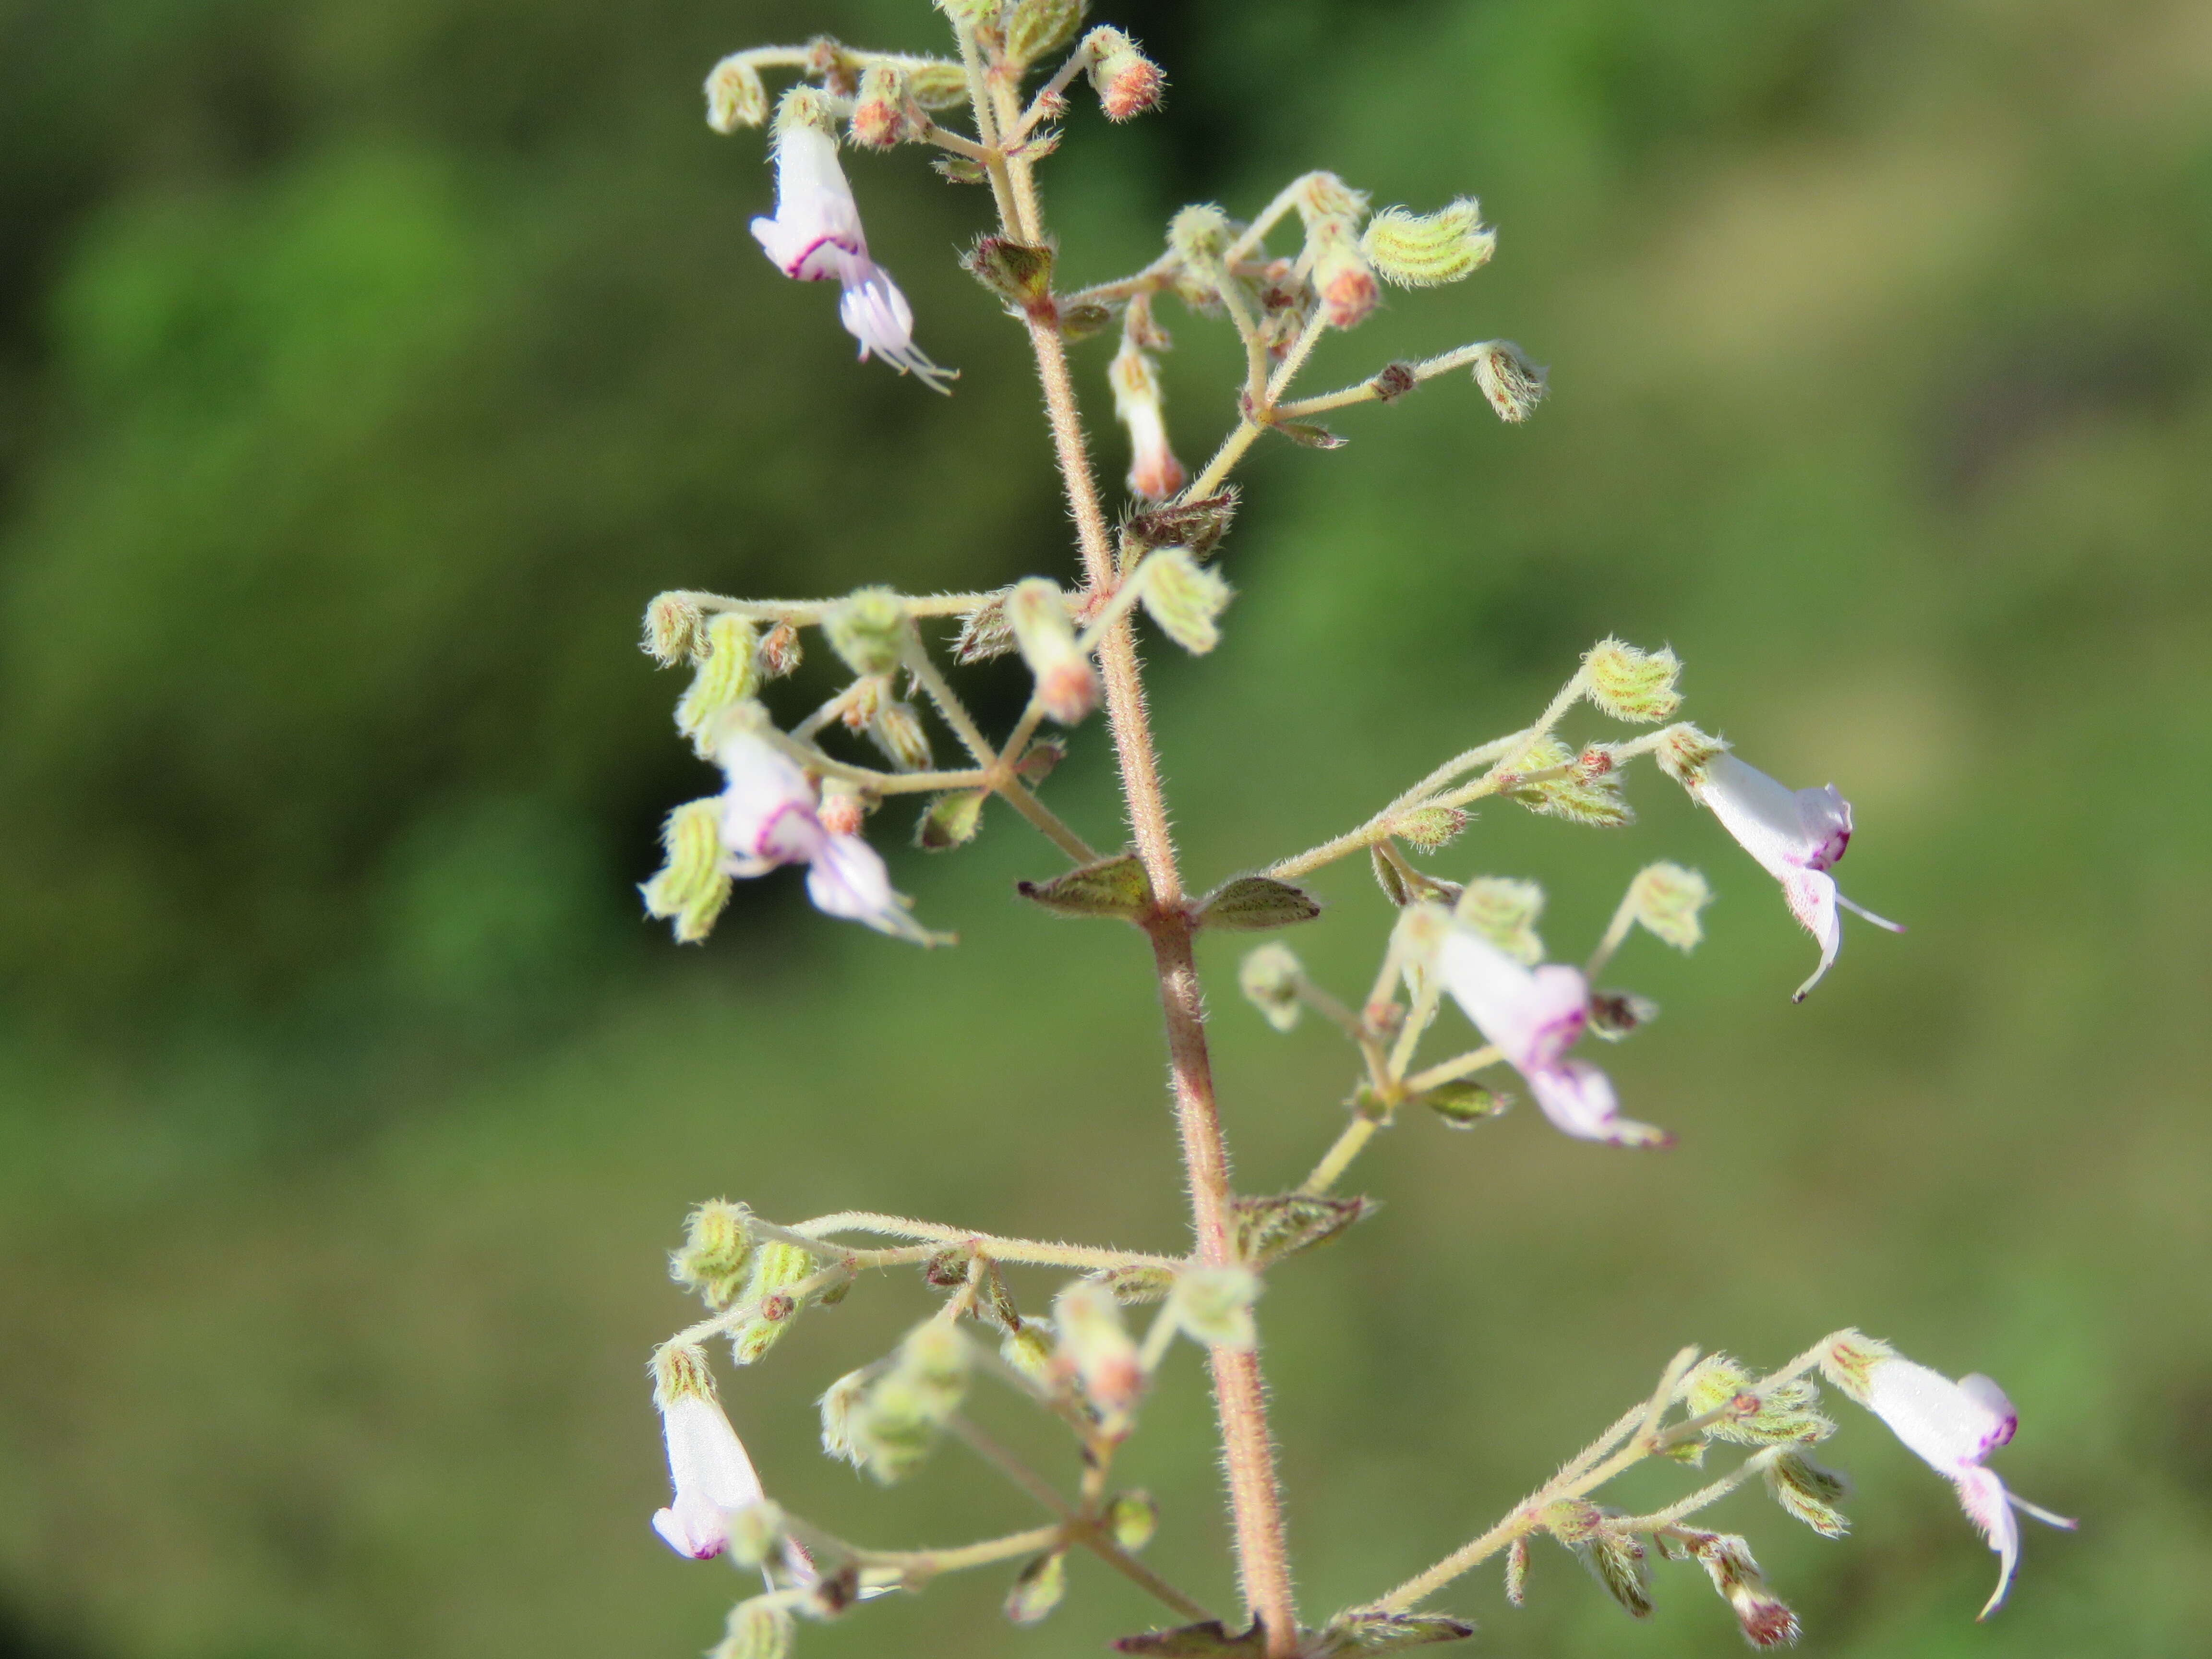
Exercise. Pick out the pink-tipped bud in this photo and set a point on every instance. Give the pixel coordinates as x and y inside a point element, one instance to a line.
<point>886,113</point>
<point>1155,474</point>
<point>842,813</point>
<point>1066,684</point>
<point>1128,82</point>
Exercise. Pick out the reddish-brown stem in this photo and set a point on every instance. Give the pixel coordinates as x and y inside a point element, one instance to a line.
<point>1239,1396</point>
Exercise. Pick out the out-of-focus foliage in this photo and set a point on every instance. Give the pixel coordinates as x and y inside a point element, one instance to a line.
<point>364,369</point>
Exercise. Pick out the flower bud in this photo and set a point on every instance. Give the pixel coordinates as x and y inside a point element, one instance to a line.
<point>1344,281</point>
<point>971,13</point>
<point>886,113</point>
<point>1809,1493</point>
<point>727,676</point>
<point>736,95</point>
<point>1066,684</point>
<point>1584,794</point>
<point>1095,1346</point>
<point>1155,474</point>
<point>1421,250</point>
<point>1126,81</point>
<point>1429,828</point>
<point>1213,1305</point>
<point>1513,384</point>
<point>1199,235</point>
<point>842,812</point>
<point>775,1265</point>
<point>805,106</point>
<point>691,887</point>
<point>897,731</point>
<point>1196,526</point>
<point>1183,597</point>
<point>985,633</point>
<point>718,1248</point>
<point>952,820</point>
<point>1781,1415</point>
<point>868,628</point>
<point>1132,1519</point>
<point>1035,28</point>
<point>1630,685</point>
<point>1269,978</point>
<point>1029,1350</point>
<point>1666,899</point>
<point>895,1425</point>
<point>758,1629</point>
<point>674,630</point>
<point>1517,1572</point>
<point>755,1534</point>
<point>1505,912</point>
<point>1766,1622</point>
<point>839,1404</point>
<point>937,84</point>
<point>779,652</point>
<point>1462,1105</point>
<point>1614,1014</point>
<point>1038,1589</point>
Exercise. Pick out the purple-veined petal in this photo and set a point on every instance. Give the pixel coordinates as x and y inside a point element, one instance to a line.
<point>767,805</point>
<point>1951,1427</point>
<point>711,1474</point>
<point>1532,1016</point>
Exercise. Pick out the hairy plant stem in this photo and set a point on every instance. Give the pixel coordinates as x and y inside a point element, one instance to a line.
<point>1240,1401</point>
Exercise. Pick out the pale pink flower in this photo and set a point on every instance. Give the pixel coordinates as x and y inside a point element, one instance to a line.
<point>1796,834</point>
<point>1951,1426</point>
<point>712,1475</point>
<point>1533,1016</point>
<point>816,237</point>
<point>771,816</point>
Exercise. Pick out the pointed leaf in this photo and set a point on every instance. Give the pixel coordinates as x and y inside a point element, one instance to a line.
<point>1463,1105</point>
<point>1269,1229</point>
<point>1312,436</point>
<point>1253,903</point>
<point>1112,887</point>
<point>1208,1641</point>
<point>1386,1632</point>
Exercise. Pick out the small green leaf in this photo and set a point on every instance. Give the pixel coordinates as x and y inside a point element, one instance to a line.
<point>1386,1632</point>
<point>1112,887</point>
<point>1269,1229</point>
<point>1208,1641</point>
<point>1312,436</point>
<point>1254,903</point>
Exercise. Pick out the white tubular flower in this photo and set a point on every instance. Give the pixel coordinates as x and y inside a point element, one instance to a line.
<point>770,816</point>
<point>712,1476</point>
<point>1533,1018</point>
<point>816,237</point>
<point>1155,474</point>
<point>1796,834</point>
<point>1951,1427</point>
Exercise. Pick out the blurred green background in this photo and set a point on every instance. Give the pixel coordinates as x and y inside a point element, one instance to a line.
<point>364,369</point>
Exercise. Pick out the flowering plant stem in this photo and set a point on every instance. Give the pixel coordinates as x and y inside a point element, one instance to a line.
<point>1239,1397</point>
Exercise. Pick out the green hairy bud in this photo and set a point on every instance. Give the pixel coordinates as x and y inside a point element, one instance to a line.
<point>736,95</point>
<point>1421,250</point>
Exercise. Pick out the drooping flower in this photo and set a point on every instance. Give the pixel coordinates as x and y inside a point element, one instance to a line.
<point>816,237</point>
<point>1533,1018</point>
<point>1952,1427</point>
<point>771,816</point>
<point>712,1475</point>
<point>1155,474</point>
<point>1797,835</point>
